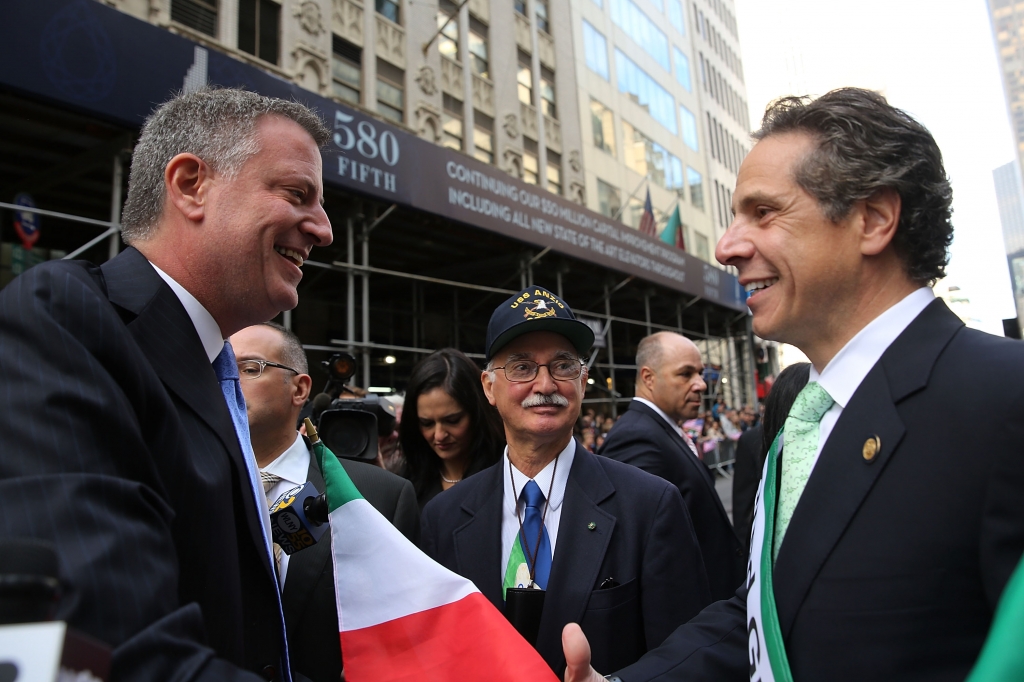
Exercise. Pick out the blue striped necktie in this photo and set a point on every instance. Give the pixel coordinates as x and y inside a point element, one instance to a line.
<point>532,530</point>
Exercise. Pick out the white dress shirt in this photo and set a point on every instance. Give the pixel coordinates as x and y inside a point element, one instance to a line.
<point>845,372</point>
<point>668,420</point>
<point>292,466</point>
<point>512,509</point>
<point>202,320</point>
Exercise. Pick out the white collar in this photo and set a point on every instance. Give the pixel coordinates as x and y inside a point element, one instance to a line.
<point>661,413</point>
<point>845,372</point>
<point>542,479</point>
<point>292,465</point>
<point>202,320</point>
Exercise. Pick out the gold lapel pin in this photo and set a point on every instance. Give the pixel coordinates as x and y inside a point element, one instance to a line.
<point>591,526</point>
<point>871,448</point>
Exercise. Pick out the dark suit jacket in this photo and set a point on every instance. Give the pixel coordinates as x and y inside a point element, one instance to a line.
<point>119,449</point>
<point>746,475</point>
<point>891,569</point>
<point>643,539</point>
<point>310,608</point>
<point>642,438</point>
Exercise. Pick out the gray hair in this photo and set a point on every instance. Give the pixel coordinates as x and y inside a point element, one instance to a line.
<point>292,353</point>
<point>218,126</point>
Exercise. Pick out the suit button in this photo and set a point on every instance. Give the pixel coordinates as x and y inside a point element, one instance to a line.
<point>269,672</point>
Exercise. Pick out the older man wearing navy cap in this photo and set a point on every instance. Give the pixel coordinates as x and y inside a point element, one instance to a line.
<point>600,543</point>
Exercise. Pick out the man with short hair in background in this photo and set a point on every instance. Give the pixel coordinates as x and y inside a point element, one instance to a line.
<point>669,387</point>
<point>274,378</point>
<point>122,425</point>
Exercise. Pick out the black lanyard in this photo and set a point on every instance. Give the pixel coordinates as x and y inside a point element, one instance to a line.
<point>532,558</point>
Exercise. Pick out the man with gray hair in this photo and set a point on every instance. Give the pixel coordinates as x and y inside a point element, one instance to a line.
<point>122,424</point>
<point>669,386</point>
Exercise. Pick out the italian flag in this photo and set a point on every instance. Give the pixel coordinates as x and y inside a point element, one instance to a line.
<point>403,616</point>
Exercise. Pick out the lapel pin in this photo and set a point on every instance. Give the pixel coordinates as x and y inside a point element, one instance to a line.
<point>871,448</point>
<point>591,526</point>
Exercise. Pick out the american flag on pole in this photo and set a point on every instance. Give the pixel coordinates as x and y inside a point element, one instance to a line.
<point>647,220</point>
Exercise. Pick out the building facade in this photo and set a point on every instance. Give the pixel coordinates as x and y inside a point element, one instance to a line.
<point>1010,196</point>
<point>459,170</point>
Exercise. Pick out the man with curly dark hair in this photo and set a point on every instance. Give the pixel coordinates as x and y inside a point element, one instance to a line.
<point>884,532</point>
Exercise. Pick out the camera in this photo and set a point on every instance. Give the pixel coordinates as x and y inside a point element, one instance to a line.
<point>349,427</point>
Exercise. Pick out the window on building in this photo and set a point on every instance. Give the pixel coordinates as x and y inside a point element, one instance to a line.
<point>198,14</point>
<point>524,79</point>
<point>521,7</point>
<point>554,172</point>
<point>389,9</point>
<point>599,3</point>
<point>689,125</point>
<point>603,123</point>
<point>646,92</point>
<point>540,10</point>
<point>595,49</point>
<point>530,168</point>
<point>478,59</point>
<point>696,183</point>
<point>390,91</point>
<point>258,28</point>
<point>647,157</point>
<point>700,247</point>
<point>682,64</point>
<point>675,15</point>
<point>448,24</point>
<point>547,92</point>
<point>483,137</point>
<point>631,19</point>
<point>451,123</point>
<point>608,200</point>
<point>346,70</point>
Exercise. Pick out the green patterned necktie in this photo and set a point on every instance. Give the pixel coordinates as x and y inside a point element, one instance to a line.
<point>799,447</point>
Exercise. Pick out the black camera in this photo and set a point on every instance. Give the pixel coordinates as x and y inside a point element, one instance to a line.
<point>350,426</point>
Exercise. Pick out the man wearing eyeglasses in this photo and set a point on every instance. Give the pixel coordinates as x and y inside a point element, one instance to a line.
<point>606,542</point>
<point>275,381</point>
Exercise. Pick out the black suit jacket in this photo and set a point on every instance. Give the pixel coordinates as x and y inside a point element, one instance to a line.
<point>642,438</point>
<point>310,608</point>
<point>119,449</point>
<point>642,538</point>
<point>746,476</point>
<point>891,569</point>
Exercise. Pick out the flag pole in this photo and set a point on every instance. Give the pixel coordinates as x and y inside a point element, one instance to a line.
<point>632,194</point>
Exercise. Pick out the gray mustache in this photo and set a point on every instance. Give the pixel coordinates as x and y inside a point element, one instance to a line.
<point>539,399</point>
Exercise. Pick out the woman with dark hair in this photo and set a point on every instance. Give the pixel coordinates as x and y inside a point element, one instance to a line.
<point>449,431</point>
<point>754,444</point>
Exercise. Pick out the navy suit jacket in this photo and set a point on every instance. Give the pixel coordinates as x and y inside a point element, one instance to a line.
<point>642,538</point>
<point>642,438</point>
<point>310,607</point>
<point>119,449</point>
<point>891,568</point>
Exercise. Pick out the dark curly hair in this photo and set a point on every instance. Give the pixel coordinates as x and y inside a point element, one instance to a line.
<point>452,371</point>
<point>864,145</point>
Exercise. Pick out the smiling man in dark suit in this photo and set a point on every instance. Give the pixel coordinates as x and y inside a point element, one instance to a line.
<point>276,384</point>
<point>121,423</point>
<point>611,546</point>
<point>886,530</point>
<point>669,386</point>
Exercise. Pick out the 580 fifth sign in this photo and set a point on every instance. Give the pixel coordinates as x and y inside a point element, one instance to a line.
<point>364,151</point>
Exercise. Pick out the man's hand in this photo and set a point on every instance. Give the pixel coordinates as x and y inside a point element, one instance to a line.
<point>577,656</point>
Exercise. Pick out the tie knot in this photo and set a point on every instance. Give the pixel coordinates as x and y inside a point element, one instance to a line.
<point>811,404</point>
<point>533,495</point>
<point>269,480</point>
<point>224,364</point>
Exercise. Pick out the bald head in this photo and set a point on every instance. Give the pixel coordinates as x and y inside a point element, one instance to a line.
<point>670,374</point>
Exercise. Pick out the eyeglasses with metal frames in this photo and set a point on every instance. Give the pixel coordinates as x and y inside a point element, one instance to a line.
<point>521,371</point>
<point>253,369</point>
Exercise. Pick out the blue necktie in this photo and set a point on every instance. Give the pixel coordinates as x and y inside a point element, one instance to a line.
<point>532,529</point>
<point>227,374</point>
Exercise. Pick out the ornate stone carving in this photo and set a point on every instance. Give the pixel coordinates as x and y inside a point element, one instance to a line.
<point>578,193</point>
<point>311,68</point>
<point>308,14</point>
<point>529,118</point>
<point>574,161</point>
<point>513,162</point>
<point>427,81</point>
<point>553,134</point>
<point>546,49</point>
<point>523,33</point>
<point>483,95</point>
<point>511,126</point>
<point>390,41</point>
<point>451,78</point>
<point>347,20</point>
<point>428,122</point>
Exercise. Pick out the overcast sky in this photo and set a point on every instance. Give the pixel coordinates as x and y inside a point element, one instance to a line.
<point>937,61</point>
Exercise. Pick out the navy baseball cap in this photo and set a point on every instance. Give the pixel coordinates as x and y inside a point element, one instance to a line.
<point>535,309</point>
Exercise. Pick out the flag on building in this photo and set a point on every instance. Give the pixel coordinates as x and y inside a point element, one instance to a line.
<point>404,617</point>
<point>647,220</point>
<point>673,232</point>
